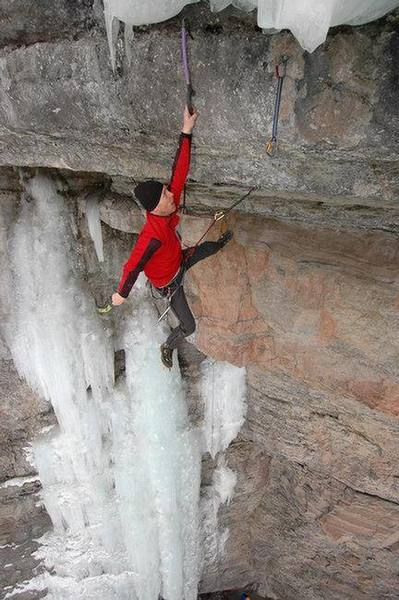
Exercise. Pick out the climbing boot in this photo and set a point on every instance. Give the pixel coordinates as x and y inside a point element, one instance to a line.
<point>167,356</point>
<point>225,237</point>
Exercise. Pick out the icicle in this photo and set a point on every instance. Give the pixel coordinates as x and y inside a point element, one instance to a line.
<point>94,224</point>
<point>136,13</point>
<point>223,392</point>
<point>129,38</point>
<point>112,29</point>
<point>310,20</point>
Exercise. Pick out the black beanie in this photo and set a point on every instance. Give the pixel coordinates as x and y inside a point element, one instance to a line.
<point>148,193</point>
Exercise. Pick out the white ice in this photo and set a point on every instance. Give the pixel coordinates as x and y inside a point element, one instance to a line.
<point>219,493</point>
<point>224,481</point>
<point>309,20</point>
<point>137,12</point>
<point>223,391</point>
<point>121,473</point>
<point>94,224</point>
<point>18,481</point>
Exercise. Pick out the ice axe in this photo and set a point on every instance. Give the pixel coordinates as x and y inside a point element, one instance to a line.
<point>186,70</point>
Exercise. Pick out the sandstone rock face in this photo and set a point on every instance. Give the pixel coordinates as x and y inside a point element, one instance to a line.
<point>313,315</point>
<point>317,305</point>
<point>306,296</point>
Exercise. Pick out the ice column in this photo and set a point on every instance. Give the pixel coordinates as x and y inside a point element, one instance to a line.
<point>224,395</point>
<point>94,224</point>
<point>223,392</point>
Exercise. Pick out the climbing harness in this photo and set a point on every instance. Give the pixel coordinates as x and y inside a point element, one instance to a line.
<point>170,290</point>
<point>186,69</point>
<point>280,74</point>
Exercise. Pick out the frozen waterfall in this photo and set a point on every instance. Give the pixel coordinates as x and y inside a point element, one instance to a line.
<point>121,474</point>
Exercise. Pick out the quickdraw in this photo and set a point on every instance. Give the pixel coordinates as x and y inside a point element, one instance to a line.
<point>280,74</point>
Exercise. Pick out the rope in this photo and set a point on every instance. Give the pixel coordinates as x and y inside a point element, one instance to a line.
<point>280,74</point>
<point>222,215</point>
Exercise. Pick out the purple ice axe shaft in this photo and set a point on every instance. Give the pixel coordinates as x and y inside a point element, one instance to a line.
<point>186,70</point>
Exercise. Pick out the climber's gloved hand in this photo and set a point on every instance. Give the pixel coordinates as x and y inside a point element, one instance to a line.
<point>189,120</point>
<point>117,299</point>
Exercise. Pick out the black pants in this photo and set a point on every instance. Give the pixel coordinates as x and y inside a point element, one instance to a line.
<point>179,301</point>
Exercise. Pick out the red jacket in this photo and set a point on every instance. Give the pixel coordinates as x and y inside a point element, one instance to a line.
<point>158,249</point>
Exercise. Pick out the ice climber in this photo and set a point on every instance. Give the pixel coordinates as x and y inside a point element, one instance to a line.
<point>158,249</point>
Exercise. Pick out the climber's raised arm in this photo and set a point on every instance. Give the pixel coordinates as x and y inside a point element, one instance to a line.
<point>181,163</point>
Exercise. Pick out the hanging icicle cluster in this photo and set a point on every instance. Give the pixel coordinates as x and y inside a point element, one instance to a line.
<point>308,20</point>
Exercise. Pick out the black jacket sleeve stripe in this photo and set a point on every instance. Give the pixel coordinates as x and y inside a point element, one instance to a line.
<point>152,247</point>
